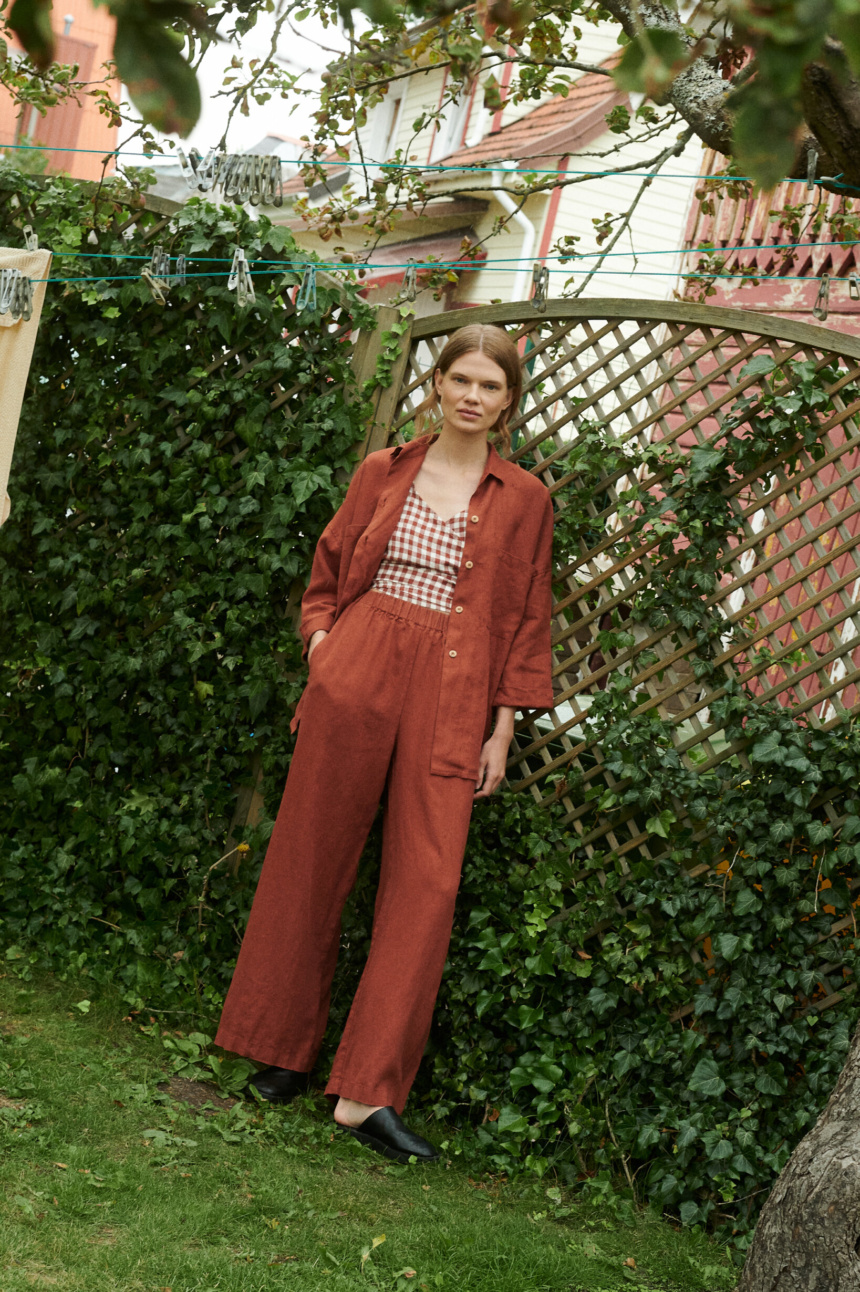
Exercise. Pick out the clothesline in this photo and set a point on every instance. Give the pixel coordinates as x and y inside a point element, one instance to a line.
<point>499,260</point>
<point>484,169</point>
<point>461,268</point>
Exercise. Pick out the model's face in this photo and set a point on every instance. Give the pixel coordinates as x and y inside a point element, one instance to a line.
<point>472,394</point>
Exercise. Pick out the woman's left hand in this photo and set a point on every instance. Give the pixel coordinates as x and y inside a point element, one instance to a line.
<point>491,766</point>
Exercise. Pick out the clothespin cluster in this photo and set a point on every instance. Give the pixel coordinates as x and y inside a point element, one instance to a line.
<point>158,277</point>
<point>822,301</point>
<point>242,177</point>
<point>540,292</point>
<point>16,294</point>
<point>240,279</point>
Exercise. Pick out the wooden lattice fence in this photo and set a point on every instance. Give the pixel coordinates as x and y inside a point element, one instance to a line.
<point>671,373</point>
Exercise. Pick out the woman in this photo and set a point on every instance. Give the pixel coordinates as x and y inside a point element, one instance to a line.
<point>426,625</point>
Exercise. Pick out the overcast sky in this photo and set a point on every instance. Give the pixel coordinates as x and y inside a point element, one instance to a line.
<point>300,51</point>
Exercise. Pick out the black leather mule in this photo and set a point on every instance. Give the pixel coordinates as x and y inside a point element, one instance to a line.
<point>385,1133</point>
<point>278,1085</point>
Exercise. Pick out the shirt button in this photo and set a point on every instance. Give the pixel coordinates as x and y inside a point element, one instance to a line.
<point>468,565</point>
<point>474,520</point>
<point>459,609</point>
<point>453,654</point>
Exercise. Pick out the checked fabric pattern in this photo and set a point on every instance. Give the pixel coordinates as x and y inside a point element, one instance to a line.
<point>423,555</point>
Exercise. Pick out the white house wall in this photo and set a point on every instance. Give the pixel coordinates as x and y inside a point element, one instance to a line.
<point>657,226</point>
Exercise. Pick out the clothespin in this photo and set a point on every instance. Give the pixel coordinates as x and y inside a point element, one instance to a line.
<point>811,166</point>
<point>410,282</point>
<point>255,179</point>
<point>207,171</point>
<point>245,180</point>
<point>240,279</point>
<point>7,285</point>
<point>179,277</point>
<point>190,166</point>
<point>854,287</point>
<point>228,176</point>
<point>540,278</point>
<point>156,275</point>
<point>22,298</point>
<point>31,240</point>
<point>275,194</point>
<point>822,300</point>
<point>307,294</point>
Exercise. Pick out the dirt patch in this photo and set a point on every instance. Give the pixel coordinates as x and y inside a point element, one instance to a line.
<point>195,1093</point>
<point>9,1103</point>
<point>106,1237</point>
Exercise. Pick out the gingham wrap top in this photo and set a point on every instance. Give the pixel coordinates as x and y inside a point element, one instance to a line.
<point>422,559</point>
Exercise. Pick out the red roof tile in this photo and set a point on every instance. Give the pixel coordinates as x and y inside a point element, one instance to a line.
<point>561,126</point>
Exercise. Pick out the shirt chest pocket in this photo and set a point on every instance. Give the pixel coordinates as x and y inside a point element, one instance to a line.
<point>511,583</point>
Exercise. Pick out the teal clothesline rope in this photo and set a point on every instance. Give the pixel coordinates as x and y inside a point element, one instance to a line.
<point>459,268</point>
<point>487,168</point>
<point>500,260</point>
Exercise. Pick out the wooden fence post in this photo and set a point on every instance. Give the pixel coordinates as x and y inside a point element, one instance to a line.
<point>383,399</point>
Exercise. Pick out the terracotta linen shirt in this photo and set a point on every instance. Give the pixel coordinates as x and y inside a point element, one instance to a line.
<point>497,647</point>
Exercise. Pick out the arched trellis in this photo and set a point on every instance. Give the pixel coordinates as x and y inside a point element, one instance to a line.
<point>643,372</point>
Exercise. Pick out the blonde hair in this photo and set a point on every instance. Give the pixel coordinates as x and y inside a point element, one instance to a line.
<point>495,343</point>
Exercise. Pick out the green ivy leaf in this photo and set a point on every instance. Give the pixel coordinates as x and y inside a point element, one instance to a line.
<point>706,1079</point>
<point>727,945</point>
<point>512,1121</point>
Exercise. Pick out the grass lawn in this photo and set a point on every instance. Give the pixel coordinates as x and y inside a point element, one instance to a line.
<point>109,1182</point>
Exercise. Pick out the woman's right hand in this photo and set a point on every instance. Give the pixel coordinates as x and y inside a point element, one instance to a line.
<point>315,640</point>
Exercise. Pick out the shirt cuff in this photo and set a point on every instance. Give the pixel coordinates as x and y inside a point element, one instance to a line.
<point>523,700</point>
<point>323,622</point>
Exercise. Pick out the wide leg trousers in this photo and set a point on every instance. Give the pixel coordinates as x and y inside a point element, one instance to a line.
<point>366,727</point>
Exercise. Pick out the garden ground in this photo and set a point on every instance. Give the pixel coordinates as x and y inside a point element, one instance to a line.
<point>118,1174</point>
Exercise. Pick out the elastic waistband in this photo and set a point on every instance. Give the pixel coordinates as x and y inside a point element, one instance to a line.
<point>397,608</point>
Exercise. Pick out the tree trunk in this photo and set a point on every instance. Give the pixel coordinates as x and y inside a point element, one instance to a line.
<point>808,1234</point>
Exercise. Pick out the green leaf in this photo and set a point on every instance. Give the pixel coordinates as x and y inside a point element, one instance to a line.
<point>722,1151</point>
<point>162,85</point>
<point>769,749</point>
<point>764,133</point>
<point>770,1080</point>
<point>661,824</point>
<point>31,22</point>
<point>727,945</point>
<point>651,61</point>
<point>706,1079</point>
<point>746,902</point>
<point>511,1119</point>
<point>759,366</point>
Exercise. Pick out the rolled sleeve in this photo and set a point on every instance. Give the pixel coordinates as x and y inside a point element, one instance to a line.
<point>526,681</point>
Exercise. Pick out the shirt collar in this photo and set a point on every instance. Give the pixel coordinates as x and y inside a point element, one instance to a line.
<point>495,465</point>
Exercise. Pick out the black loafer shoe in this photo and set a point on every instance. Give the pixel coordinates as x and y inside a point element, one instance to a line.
<point>278,1085</point>
<point>384,1132</point>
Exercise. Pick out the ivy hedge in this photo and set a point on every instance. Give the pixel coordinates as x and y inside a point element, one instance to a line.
<point>166,504</point>
<point>646,1030</point>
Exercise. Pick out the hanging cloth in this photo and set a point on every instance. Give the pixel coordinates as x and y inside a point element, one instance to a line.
<point>17,339</point>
